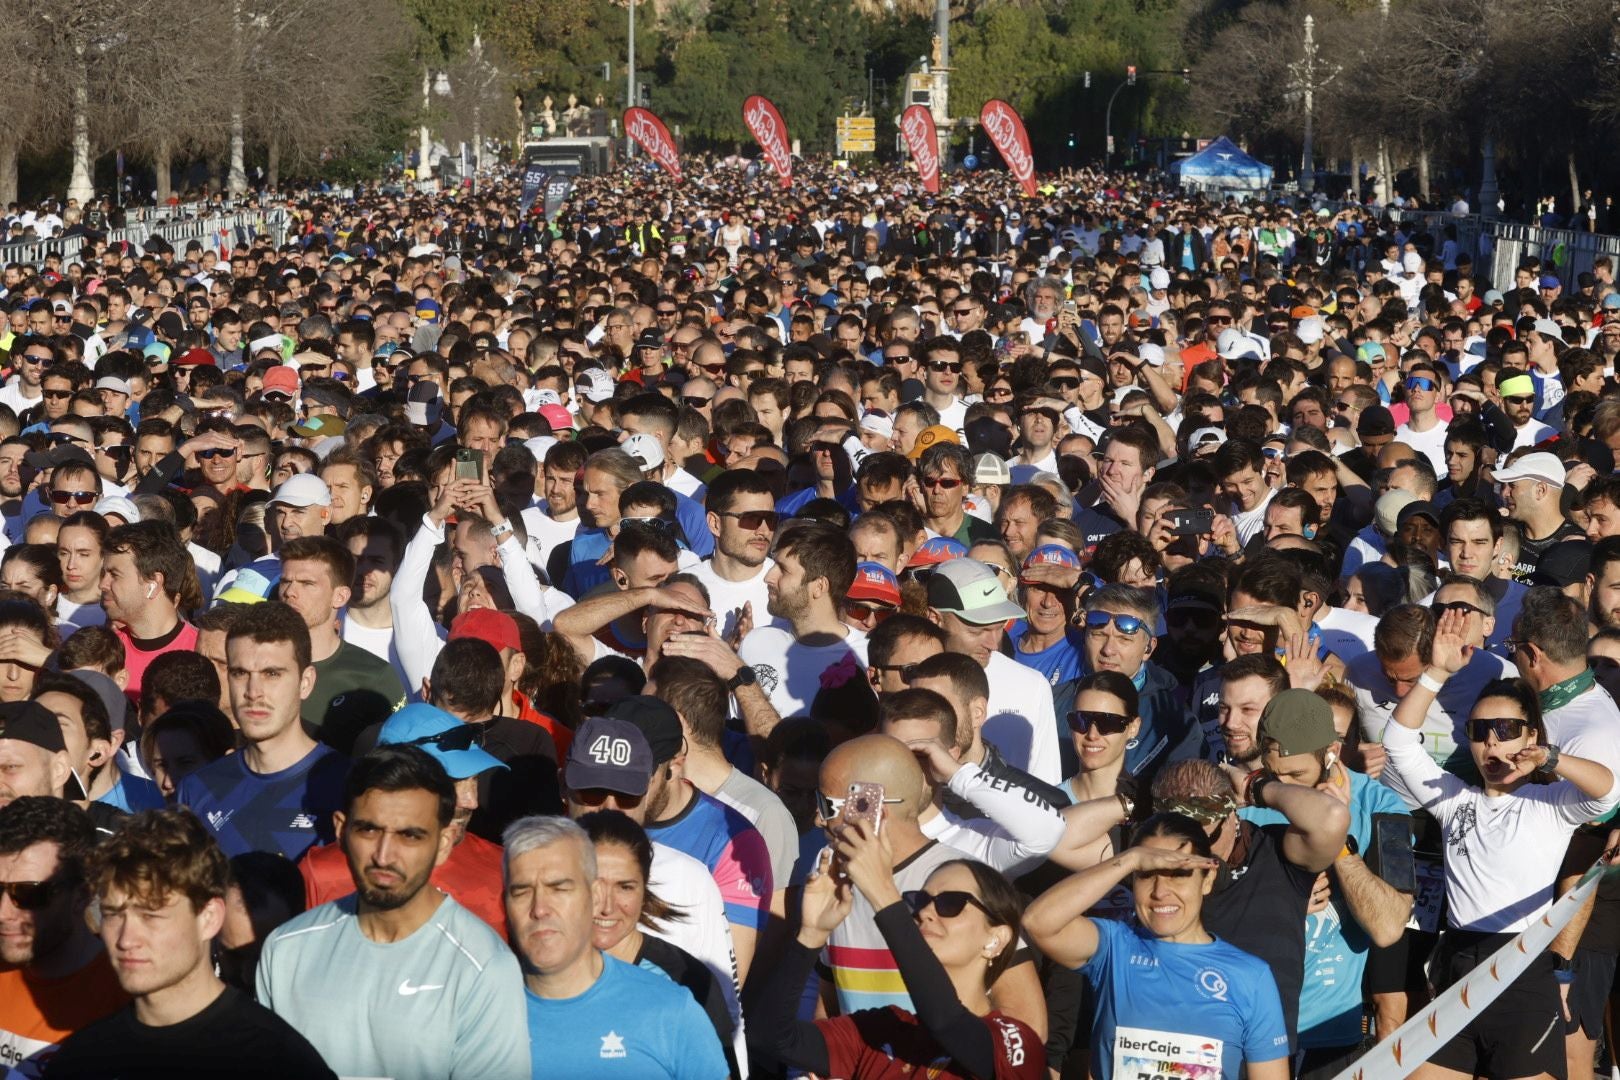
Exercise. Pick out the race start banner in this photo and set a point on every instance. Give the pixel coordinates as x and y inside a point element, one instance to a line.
<point>557,191</point>
<point>771,132</point>
<point>917,128</point>
<point>652,136</point>
<point>1421,1037</point>
<point>534,178</point>
<point>1005,128</point>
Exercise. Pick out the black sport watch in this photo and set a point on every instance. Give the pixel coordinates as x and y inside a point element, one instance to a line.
<point>745,677</point>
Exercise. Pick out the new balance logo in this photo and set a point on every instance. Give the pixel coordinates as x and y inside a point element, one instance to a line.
<point>407,990</point>
<point>302,821</point>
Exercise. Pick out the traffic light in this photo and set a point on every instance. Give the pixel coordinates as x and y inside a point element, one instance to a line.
<point>1071,140</point>
<point>1130,75</point>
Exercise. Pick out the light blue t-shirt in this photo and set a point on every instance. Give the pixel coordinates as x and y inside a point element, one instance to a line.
<point>630,1025</point>
<point>446,1002</point>
<point>1060,663</point>
<point>1336,948</point>
<point>1202,1007</point>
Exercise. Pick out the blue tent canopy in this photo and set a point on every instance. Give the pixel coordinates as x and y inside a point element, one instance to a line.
<point>1221,166</point>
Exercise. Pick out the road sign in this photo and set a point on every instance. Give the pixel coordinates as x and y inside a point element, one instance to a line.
<point>857,134</point>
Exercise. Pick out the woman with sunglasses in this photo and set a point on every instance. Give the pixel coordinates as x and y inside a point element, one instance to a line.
<point>950,940</point>
<point>630,919</point>
<point>1171,998</point>
<point>1505,840</point>
<point>1105,719</point>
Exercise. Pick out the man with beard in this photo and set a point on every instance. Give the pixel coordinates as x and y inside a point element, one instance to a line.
<point>399,979</point>
<point>472,871</point>
<point>742,516</point>
<point>54,975</point>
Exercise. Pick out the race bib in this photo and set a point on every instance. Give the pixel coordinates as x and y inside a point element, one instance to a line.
<point>1430,901</point>
<point>1143,1054</point>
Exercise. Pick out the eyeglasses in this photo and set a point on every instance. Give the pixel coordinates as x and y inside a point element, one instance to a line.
<point>80,498</point>
<point>29,895</point>
<point>947,905</point>
<point>1505,728</point>
<point>696,402</point>
<point>944,483</point>
<point>1420,383</point>
<point>1127,624</point>
<point>210,455</point>
<point>599,796</point>
<point>460,737</point>
<point>1458,605</point>
<point>829,808</point>
<point>1106,723</point>
<point>753,520</point>
<point>944,365</point>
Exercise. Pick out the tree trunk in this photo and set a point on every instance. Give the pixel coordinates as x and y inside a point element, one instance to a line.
<point>163,166</point>
<point>8,171</point>
<point>1385,188</point>
<point>425,137</point>
<point>272,166</point>
<point>81,187</point>
<point>1423,173</point>
<point>1575,194</point>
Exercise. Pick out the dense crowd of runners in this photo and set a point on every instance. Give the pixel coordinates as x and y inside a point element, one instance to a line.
<point>734,630</point>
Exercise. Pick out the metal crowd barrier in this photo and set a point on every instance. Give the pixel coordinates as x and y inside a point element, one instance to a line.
<point>214,230</point>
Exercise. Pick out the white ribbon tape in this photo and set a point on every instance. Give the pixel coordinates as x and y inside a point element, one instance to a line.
<point>1438,1022</point>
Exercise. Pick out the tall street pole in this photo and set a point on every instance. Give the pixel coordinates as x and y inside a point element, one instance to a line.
<point>1307,179</point>
<point>630,79</point>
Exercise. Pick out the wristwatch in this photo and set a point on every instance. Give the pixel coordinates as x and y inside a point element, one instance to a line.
<point>746,676</point>
<point>500,530</point>
<point>1551,765</point>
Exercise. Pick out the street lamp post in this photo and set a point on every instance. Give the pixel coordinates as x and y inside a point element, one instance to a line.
<point>630,79</point>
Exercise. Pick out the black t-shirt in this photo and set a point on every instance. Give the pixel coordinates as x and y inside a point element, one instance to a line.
<point>1259,906</point>
<point>1530,551</point>
<point>235,1037</point>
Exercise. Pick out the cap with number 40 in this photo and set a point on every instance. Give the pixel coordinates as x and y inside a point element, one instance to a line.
<point>609,754</point>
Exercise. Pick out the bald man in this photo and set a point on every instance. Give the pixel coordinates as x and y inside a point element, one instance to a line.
<point>865,975</point>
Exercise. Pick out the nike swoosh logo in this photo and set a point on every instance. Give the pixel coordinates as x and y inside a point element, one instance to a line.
<point>407,990</point>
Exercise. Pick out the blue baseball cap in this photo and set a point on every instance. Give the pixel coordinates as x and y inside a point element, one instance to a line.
<point>446,740</point>
<point>427,310</point>
<point>1052,555</point>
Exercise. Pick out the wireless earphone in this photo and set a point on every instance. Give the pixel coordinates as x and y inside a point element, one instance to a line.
<point>150,589</point>
<point>1330,759</point>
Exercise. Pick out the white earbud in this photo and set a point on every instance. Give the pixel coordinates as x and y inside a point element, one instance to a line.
<point>150,589</point>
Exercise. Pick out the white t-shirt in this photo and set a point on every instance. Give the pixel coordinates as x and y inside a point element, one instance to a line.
<point>792,674</point>
<point>1588,727</point>
<point>726,598</point>
<point>1022,722</point>
<point>545,533</point>
<point>1532,432</point>
<point>685,483</point>
<point>1347,634</point>
<point>71,616</point>
<point>379,643</point>
<point>955,417</point>
<point>679,879</point>
<point>1250,523</point>
<point>1431,444</point>
<point>11,394</point>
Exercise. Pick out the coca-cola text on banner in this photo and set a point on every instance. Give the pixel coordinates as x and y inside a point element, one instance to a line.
<point>1005,128</point>
<point>652,136</point>
<point>917,128</point>
<point>770,131</point>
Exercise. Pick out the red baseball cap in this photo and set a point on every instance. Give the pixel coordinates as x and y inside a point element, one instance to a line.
<point>558,417</point>
<point>280,379</point>
<point>196,358</point>
<point>487,624</point>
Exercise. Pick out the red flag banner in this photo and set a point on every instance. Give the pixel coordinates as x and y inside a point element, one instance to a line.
<point>652,136</point>
<point>771,132</point>
<point>917,128</point>
<point>1006,130</point>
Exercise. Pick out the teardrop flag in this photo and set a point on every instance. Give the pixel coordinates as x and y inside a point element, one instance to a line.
<point>1005,128</point>
<point>652,136</point>
<point>771,132</point>
<point>917,128</point>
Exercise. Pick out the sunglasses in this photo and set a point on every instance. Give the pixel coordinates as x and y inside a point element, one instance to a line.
<point>899,358</point>
<point>1457,605</point>
<point>58,395</point>
<point>1420,383</point>
<point>28,895</point>
<point>599,796</point>
<point>36,361</point>
<point>944,365</point>
<point>460,737</point>
<point>1522,400</point>
<point>696,402</point>
<point>1273,453</point>
<point>210,455</point>
<point>830,808</point>
<point>80,498</point>
<point>869,613</point>
<point>1106,723</point>
<point>754,519</point>
<point>1505,728</point>
<point>942,483</point>
<point>961,311</point>
<point>1065,383</point>
<point>669,314</point>
<point>947,905</point>
<point>661,524</point>
<point>1127,624</point>
<point>1343,406</point>
<point>118,451</point>
<point>1218,320</point>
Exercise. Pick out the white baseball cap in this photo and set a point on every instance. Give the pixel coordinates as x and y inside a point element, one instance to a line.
<point>1537,466</point>
<point>645,449</point>
<point>1159,279</point>
<point>305,489</point>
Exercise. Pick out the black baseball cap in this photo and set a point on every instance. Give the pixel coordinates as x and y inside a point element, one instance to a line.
<point>1565,563</point>
<point>657,721</point>
<point>31,722</point>
<point>1375,420</point>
